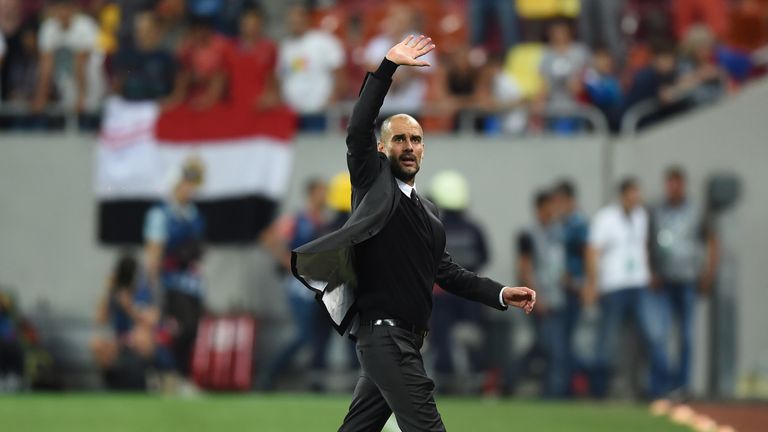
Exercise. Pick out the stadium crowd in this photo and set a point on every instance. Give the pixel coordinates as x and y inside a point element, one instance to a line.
<point>502,65</point>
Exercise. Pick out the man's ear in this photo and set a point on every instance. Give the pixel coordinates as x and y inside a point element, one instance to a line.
<point>380,146</point>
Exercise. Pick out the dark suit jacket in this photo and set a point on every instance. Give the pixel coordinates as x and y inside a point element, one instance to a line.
<point>326,265</point>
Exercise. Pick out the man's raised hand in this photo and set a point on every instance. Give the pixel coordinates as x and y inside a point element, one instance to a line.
<point>409,50</point>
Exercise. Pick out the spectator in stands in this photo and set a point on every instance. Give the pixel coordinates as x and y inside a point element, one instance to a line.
<point>562,66</point>
<point>575,233</point>
<point>308,225</point>
<point>657,82</point>
<point>599,25</point>
<point>703,78</point>
<point>69,59</point>
<point>679,237</point>
<point>143,70</point>
<point>311,69</point>
<point>204,60</point>
<point>466,240</point>
<point>131,312</point>
<point>618,277</point>
<point>502,13</point>
<point>253,70</point>
<point>173,235</point>
<point>602,86</point>
<point>11,20</point>
<point>129,11</point>
<point>541,266</point>
<point>457,84</point>
<point>20,83</point>
<point>499,94</point>
<point>409,86</point>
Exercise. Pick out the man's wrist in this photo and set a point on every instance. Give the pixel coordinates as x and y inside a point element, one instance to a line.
<point>501,297</point>
<point>386,69</point>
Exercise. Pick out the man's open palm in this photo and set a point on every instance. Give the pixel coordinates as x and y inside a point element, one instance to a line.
<point>409,50</point>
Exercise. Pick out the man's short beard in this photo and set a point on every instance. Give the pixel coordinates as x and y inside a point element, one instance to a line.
<point>397,170</point>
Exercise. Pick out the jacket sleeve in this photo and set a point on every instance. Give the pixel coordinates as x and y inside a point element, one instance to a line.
<point>362,156</point>
<point>463,283</point>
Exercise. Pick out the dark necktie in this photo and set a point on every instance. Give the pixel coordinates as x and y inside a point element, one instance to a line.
<point>415,198</point>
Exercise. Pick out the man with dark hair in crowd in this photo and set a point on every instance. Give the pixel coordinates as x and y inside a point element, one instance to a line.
<point>541,266</point>
<point>618,279</point>
<point>67,31</point>
<point>204,58</point>
<point>575,234</point>
<point>143,70</point>
<point>657,82</point>
<point>254,63</point>
<point>678,239</point>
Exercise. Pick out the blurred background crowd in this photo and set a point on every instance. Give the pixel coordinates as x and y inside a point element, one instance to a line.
<point>502,66</point>
<point>525,68</point>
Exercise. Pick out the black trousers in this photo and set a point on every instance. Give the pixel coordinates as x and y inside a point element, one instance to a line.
<point>186,310</point>
<point>393,379</point>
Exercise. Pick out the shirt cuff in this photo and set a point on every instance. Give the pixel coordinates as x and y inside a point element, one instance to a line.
<point>386,69</point>
<point>501,297</point>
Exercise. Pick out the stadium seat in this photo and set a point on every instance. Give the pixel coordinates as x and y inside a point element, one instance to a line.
<point>522,63</point>
<point>542,9</point>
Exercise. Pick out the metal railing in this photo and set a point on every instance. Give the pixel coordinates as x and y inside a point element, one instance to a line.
<point>467,119</point>
<point>70,118</point>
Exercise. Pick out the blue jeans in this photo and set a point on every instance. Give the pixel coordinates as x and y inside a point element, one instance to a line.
<point>572,314</point>
<point>551,335</point>
<point>304,309</point>
<point>648,310</point>
<point>682,301</point>
<point>505,15</point>
<point>448,310</point>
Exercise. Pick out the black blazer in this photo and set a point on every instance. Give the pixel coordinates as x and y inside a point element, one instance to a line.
<point>326,265</point>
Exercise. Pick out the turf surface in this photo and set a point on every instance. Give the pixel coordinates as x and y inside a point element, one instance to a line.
<point>278,413</point>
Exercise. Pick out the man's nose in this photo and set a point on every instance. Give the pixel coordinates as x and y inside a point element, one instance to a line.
<point>408,145</point>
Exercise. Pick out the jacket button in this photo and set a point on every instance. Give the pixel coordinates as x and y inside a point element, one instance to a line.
<point>370,233</point>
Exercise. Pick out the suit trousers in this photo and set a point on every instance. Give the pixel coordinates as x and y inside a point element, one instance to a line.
<point>392,380</point>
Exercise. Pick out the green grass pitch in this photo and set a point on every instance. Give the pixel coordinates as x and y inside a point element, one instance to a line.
<point>289,412</point>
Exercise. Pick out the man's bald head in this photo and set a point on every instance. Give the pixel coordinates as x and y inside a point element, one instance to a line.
<point>398,121</point>
<point>403,142</point>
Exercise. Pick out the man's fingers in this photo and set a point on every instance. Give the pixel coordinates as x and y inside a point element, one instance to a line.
<point>422,42</point>
<point>421,63</point>
<point>407,39</point>
<point>415,43</point>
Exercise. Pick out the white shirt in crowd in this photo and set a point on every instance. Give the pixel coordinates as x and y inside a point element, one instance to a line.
<point>63,42</point>
<point>405,95</point>
<point>621,242</point>
<point>306,67</point>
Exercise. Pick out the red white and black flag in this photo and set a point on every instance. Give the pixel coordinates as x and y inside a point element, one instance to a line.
<point>247,155</point>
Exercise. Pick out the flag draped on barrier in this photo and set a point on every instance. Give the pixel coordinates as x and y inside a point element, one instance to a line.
<point>248,157</point>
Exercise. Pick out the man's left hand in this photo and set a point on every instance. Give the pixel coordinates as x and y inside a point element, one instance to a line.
<point>521,297</point>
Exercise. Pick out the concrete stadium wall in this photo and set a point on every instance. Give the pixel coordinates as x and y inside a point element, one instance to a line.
<point>47,209</point>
